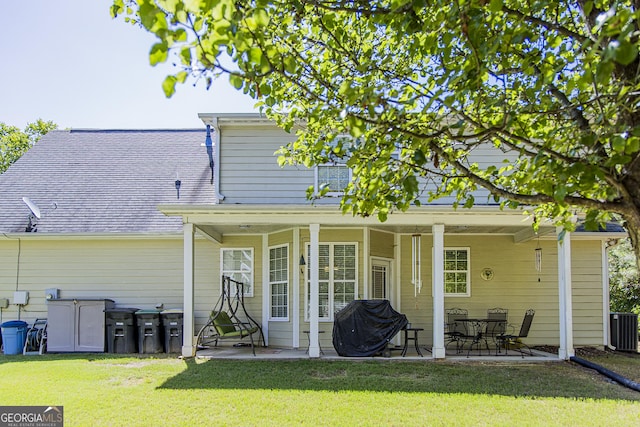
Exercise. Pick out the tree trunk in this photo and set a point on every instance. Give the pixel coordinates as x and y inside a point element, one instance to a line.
<point>631,216</point>
<point>633,228</point>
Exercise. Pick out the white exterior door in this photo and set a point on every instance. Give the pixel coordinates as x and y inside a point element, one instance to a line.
<point>380,276</point>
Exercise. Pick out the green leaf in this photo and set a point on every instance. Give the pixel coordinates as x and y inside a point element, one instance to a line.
<point>236,81</point>
<point>169,86</point>
<point>618,144</point>
<point>116,8</point>
<point>625,53</point>
<point>181,77</point>
<point>632,146</point>
<point>356,126</point>
<point>185,56</point>
<point>159,53</point>
<point>495,5</point>
<point>255,55</point>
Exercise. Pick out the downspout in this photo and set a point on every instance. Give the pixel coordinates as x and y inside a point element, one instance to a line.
<point>216,172</point>
<point>606,339</point>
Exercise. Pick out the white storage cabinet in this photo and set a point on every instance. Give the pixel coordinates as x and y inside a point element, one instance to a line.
<point>77,325</point>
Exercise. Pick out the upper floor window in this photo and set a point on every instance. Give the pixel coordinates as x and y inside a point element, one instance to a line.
<point>457,275</point>
<point>238,264</point>
<point>334,177</point>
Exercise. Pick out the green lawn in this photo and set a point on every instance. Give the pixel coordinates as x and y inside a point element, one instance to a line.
<point>113,390</point>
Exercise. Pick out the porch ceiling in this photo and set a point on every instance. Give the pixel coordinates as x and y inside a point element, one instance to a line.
<point>227,229</point>
<point>219,220</point>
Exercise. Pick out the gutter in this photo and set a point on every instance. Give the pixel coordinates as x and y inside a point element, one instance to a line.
<point>91,236</point>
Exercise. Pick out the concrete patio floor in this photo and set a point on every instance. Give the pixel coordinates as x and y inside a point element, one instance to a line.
<point>272,353</point>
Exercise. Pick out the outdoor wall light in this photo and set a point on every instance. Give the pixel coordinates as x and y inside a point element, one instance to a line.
<point>178,184</point>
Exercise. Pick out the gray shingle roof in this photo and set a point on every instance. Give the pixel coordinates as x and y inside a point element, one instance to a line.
<point>106,181</point>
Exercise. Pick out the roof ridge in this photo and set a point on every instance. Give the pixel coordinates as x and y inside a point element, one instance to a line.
<point>87,130</point>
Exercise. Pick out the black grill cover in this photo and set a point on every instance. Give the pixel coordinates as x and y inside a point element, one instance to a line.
<point>364,327</point>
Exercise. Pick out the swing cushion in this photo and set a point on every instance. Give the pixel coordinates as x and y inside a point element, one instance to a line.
<point>227,328</point>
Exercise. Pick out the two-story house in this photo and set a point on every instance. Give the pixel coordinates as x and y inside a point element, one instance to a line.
<point>114,224</point>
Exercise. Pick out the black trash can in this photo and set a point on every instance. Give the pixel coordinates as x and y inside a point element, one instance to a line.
<point>121,330</point>
<point>172,321</point>
<point>150,339</point>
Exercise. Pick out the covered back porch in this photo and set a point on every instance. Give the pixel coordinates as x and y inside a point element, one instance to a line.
<point>504,269</point>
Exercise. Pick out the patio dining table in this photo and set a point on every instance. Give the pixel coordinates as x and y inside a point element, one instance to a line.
<point>477,332</point>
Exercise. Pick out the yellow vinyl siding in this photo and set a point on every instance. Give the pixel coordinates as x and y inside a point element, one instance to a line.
<point>382,244</point>
<point>515,285</point>
<point>137,273</point>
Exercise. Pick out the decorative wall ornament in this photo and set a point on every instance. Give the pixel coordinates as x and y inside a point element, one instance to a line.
<point>487,273</point>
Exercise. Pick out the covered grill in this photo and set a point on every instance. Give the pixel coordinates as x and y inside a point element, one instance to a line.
<point>364,327</point>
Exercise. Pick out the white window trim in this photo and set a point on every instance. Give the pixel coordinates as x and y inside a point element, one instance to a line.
<point>468,271</point>
<point>330,318</point>
<point>317,183</point>
<point>252,272</point>
<point>288,283</point>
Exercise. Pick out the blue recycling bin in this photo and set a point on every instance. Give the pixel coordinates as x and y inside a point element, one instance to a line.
<point>14,334</point>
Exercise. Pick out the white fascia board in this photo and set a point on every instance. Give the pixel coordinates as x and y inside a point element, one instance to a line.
<point>597,235</point>
<point>304,214</point>
<point>254,120</point>
<point>235,119</point>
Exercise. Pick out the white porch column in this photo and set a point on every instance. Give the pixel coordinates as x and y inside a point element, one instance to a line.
<point>188,346</point>
<point>438,350</point>
<point>297,272</point>
<point>566,349</point>
<point>314,289</point>
<point>365,264</point>
<point>266,289</point>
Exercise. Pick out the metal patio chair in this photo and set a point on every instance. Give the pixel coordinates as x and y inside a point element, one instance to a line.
<point>515,341</point>
<point>456,331</point>
<point>494,329</point>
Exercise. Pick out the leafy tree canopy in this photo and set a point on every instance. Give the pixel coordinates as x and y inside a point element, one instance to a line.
<point>427,89</point>
<point>14,142</point>
<point>624,280</point>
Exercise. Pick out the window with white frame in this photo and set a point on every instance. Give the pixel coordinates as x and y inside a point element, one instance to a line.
<point>335,177</point>
<point>337,274</point>
<point>238,265</point>
<point>279,282</point>
<point>457,272</point>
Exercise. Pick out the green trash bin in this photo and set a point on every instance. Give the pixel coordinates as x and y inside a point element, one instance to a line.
<point>14,335</point>
<point>172,321</point>
<point>150,337</point>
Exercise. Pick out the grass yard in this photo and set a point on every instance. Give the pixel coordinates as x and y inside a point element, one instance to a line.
<point>121,390</point>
